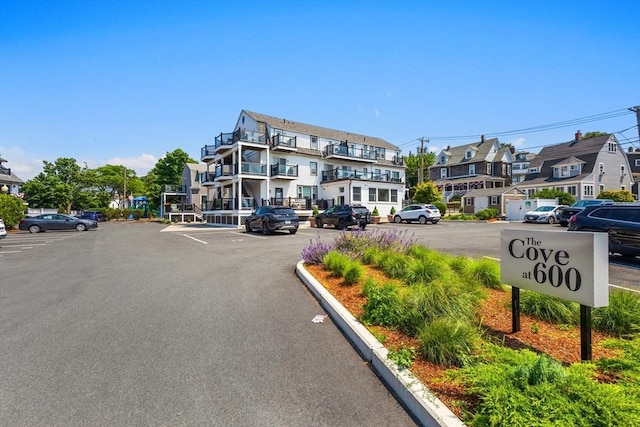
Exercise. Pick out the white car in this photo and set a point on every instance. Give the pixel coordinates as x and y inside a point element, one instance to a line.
<point>3,232</point>
<point>418,212</point>
<point>544,214</point>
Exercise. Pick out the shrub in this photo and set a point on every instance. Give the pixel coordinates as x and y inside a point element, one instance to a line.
<point>392,211</point>
<point>487,214</point>
<point>424,271</point>
<point>315,211</point>
<point>393,264</point>
<point>355,242</point>
<point>383,305</point>
<point>336,262</point>
<point>375,212</point>
<point>485,272</point>
<point>11,210</point>
<point>546,307</point>
<point>353,272</point>
<point>403,357</point>
<point>441,207</point>
<point>315,252</point>
<point>563,197</point>
<point>372,255</point>
<point>543,369</point>
<point>622,315</point>
<point>447,341</point>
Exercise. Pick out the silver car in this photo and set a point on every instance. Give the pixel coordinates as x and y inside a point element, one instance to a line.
<point>3,231</point>
<point>418,212</point>
<point>544,214</point>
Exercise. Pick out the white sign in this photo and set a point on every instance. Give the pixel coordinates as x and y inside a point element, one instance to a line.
<point>572,265</point>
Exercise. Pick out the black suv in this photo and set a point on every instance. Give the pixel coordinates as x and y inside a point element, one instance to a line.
<point>272,218</point>
<point>622,222</point>
<point>343,216</point>
<point>566,213</point>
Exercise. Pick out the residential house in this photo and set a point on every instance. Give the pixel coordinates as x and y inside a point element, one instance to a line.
<point>634,165</point>
<point>480,165</point>
<point>185,202</point>
<point>520,166</point>
<point>267,160</point>
<point>581,167</point>
<point>9,182</point>
<point>496,198</point>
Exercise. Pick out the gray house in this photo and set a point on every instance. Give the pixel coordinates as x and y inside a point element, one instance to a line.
<point>581,167</point>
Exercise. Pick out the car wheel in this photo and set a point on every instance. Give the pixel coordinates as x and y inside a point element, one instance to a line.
<point>81,227</point>
<point>397,219</point>
<point>319,223</point>
<point>363,226</point>
<point>551,220</point>
<point>247,226</point>
<point>342,224</point>
<point>34,229</point>
<point>422,220</point>
<point>265,229</point>
<point>435,221</point>
<point>294,231</point>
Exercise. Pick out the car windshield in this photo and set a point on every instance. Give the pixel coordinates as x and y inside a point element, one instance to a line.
<point>283,211</point>
<point>360,209</point>
<point>544,208</point>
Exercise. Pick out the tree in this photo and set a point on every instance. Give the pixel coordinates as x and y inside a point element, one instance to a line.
<point>167,171</point>
<point>593,134</point>
<point>117,179</point>
<point>11,209</point>
<point>617,196</point>
<point>427,192</point>
<point>58,185</point>
<point>549,193</point>
<point>413,164</point>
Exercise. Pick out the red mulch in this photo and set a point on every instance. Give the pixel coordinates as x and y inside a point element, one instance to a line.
<point>561,343</point>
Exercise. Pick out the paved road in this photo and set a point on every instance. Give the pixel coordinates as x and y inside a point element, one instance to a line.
<point>126,325</point>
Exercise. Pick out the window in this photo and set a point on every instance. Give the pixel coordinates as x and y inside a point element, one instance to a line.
<point>372,194</point>
<point>588,190</point>
<point>533,170</point>
<point>613,147</point>
<point>314,142</point>
<point>637,162</point>
<point>357,194</point>
<point>308,192</point>
<point>468,201</point>
<point>394,196</point>
<point>472,169</point>
<point>314,168</point>
<point>395,176</point>
<point>601,187</point>
<point>468,154</point>
<point>443,172</point>
<point>504,169</point>
<point>340,189</point>
<point>494,200</point>
<point>508,170</point>
<point>488,168</point>
<point>622,171</point>
<point>601,168</point>
<point>573,190</point>
<point>443,159</point>
<point>383,194</point>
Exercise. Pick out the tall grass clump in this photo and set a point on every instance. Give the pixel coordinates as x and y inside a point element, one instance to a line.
<point>336,263</point>
<point>546,307</point>
<point>423,271</point>
<point>460,264</point>
<point>440,298</point>
<point>621,317</point>
<point>383,305</point>
<point>356,241</point>
<point>485,272</point>
<point>419,251</point>
<point>353,272</point>
<point>447,341</point>
<point>393,264</point>
<point>372,255</point>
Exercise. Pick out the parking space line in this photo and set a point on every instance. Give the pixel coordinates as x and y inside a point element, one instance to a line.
<point>197,240</point>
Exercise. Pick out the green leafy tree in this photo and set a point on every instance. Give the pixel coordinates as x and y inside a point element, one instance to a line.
<point>413,163</point>
<point>593,134</point>
<point>58,185</point>
<point>563,197</point>
<point>117,179</point>
<point>167,171</point>
<point>11,209</point>
<point>427,192</point>
<point>617,196</point>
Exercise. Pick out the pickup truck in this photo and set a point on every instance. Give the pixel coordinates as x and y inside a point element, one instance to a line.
<point>568,212</point>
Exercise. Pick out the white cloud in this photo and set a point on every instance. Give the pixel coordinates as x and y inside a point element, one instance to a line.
<point>517,142</point>
<point>141,164</point>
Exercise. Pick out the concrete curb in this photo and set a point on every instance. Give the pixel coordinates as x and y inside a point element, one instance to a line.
<point>418,399</point>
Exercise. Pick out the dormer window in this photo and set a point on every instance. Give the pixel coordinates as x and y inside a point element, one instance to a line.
<point>533,170</point>
<point>443,159</point>
<point>468,154</point>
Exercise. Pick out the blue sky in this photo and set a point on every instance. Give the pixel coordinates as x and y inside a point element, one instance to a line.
<point>125,82</point>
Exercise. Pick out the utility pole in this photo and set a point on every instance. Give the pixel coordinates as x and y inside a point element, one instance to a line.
<point>421,171</point>
<point>124,194</point>
<point>636,110</point>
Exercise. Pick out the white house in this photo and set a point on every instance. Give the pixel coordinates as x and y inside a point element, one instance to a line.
<point>267,160</point>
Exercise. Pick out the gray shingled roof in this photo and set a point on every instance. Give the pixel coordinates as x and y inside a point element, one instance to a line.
<point>585,150</point>
<point>457,154</point>
<point>321,132</point>
<point>494,192</point>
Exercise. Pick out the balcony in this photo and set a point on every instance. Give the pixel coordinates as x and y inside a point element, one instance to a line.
<point>300,203</point>
<point>248,168</point>
<point>207,178</point>
<point>229,204</point>
<point>207,152</point>
<point>175,189</point>
<point>225,172</point>
<point>284,171</point>
<point>280,142</point>
<point>339,174</point>
<point>350,152</point>
<point>398,160</point>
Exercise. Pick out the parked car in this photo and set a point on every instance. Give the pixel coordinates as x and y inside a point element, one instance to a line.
<point>44,222</point>
<point>566,213</point>
<point>3,231</point>
<point>622,222</point>
<point>272,218</point>
<point>94,215</point>
<point>343,216</point>
<point>544,214</point>
<point>418,212</point>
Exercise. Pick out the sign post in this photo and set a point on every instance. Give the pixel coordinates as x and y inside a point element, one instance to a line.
<point>572,267</point>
